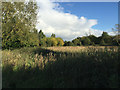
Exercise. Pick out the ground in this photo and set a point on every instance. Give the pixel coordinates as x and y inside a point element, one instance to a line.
<point>60,67</point>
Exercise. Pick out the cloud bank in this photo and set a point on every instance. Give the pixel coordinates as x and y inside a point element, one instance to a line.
<point>52,19</point>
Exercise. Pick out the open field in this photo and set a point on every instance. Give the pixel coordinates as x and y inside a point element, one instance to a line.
<point>64,67</point>
<point>83,48</point>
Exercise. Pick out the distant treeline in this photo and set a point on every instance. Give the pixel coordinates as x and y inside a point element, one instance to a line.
<point>19,30</point>
<point>103,40</point>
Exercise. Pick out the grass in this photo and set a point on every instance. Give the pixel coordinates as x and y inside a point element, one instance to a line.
<point>61,67</point>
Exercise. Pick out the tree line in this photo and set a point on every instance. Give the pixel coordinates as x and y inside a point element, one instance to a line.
<point>19,29</point>
<point>103,40</point>
<point>49,41</point>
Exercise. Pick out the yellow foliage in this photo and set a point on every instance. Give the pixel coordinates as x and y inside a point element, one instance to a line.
<point>54,41</point>
<point>60,42</point>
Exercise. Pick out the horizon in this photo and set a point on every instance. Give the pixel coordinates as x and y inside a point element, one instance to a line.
<point>70,20</point>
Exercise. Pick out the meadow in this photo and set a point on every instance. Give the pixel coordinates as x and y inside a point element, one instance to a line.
<point>61,67</point>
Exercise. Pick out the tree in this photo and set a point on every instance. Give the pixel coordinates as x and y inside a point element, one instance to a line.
<point>54,41</point>
<point>60,41</point>
<point>18,24</point>
<point>76,42</point>
<point>93,39</point>
<point>116,40</point>
<point>65,43</point>
<point>85,41</point>
<point>53,35</point>
<point>116,30</point>
<point>48,42</point>
<point>106,38</point>
<point>41,35</point>
<point>102,43</point>
<point>105,34</point>
<point>68,43</point>
<point>43,42</point>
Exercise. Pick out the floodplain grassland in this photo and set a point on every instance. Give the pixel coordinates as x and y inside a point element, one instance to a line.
<point>61,67</point>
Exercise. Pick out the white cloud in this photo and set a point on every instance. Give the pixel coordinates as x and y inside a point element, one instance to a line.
<point>113,33</point>
<point>52,19</point>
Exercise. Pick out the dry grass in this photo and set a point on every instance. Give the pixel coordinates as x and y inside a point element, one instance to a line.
<point>60,67</point>
<point>82,48</point>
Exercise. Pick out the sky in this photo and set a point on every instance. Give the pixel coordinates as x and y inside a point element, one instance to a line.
<point>69,20</point>
<point>105,12</point>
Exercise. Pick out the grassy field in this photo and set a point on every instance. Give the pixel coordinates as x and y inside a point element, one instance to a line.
<point>61,67</point>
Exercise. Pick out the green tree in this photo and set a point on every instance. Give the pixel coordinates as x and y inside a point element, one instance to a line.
<point>93,39</point>
<point>53,35</point>
<point>85,41</point>
<point>49,42</point>
<point>116,30</point>
<point>102,43</point>
<point>105,34</point>
<point>76,42</point>
<point>68,43</point>
<point>116,38</point>
<point>41,35</point>
<point>60,41</point>
<point>18,24</point>
<point>54,41</point>
<point>65,43</point>
<point>107,39</point>
<point>43,42</point>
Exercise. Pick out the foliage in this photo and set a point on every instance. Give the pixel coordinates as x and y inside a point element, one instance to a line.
<point>68,43</point>
<point>18,24</point>
<point>93,39</point>
<point>18,30</point>
<point>116,30</point>
<point>63,67</point>
<point>105,34</point>
<point>60,41</point>
<point>76,42</point>
<point>53,35</point>
<point>54,41</point>
<point>41,35</point>
<point>51,41</point>
<point>102,40</point>
<point>102,43</point>
<point>85,41</point>
<point>116,40</point>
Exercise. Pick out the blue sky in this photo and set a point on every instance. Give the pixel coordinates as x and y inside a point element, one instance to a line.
<point>106,13</point>
<point>69,20</point>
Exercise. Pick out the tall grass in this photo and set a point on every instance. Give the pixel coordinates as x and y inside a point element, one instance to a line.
<point>64,67</point>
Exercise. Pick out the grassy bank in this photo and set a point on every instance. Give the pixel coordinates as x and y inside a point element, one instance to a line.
<point>63,67</point>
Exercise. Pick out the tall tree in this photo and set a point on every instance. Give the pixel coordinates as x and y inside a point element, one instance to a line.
<point>54,41</point>
<point>18,24</point>
<point>105,34</point>
<point>60,41</point>
<point>102,42</point>
<point>85,41</point>
<point>41,35</point>
<point>116,38</point>
<point>106,38</point>
<point>76,42</point>
<point>53,35</point>
<point>93,39</point>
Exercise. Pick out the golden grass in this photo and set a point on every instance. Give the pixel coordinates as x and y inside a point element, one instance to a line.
<point>41,67</point>
<point>81,48</point>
